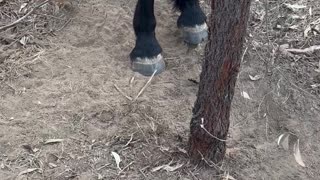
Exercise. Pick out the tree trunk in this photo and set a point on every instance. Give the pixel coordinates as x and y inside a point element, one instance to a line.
<point>210,122</point>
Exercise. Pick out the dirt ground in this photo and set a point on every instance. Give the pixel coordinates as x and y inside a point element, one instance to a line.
<point>67,92</point>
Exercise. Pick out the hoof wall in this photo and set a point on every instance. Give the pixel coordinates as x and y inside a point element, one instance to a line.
<point>195,35</point>
<point>147,66</point>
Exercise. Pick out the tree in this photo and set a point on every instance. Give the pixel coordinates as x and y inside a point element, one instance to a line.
<point>210,122</point>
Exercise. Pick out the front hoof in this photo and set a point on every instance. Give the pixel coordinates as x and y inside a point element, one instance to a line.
<point>195,35</point>
<point>147,66</point>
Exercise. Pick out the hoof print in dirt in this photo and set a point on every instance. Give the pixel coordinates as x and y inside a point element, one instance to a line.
<point>148,66</point>
<point>195,35</point>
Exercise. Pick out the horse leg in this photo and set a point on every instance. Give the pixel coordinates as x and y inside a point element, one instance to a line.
<point>146,56</point>
<point>192,21</point>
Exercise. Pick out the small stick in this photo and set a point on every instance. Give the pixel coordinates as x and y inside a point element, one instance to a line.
<point>118,89</point>
<point>308,50</point>
<point>202,127</point>
<point>244,53</point>
<point>23,17</point>
<point>125,167</point>
<point>144,87</point>
<point>129,140</point>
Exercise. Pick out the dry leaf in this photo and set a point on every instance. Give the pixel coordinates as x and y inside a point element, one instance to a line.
<point>157,168</point>
<point>255,78</point>
<point>52,165</point>
<point>294,16</point>
<point>182,150</point>
<point>283,140</point>
<point>294,27</point>
<point>23,8</point>
<point>306,31</point>
<point>315,85</point>
<point>227,176</point>
<point>297,154</point>
<point>117,159</point>
<point>294,7</point>
<point>172,168</point>
<point>23,40</point>
<point>52,141</point>
<point>279,139</point>
<point>310,11</point>
<point>167,167</point>
<point>100,176</point>
<point>245,95</point>
<point>287,139</point>
<point>27,171</point>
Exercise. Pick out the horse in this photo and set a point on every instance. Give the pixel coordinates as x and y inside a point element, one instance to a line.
<point>146,57</point>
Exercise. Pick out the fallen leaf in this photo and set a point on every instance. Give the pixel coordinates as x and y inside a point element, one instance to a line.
<point>306,31</point>
<point>162,148</point>
<point>294,27</point>
<point>23,40</point>
<point>53,141</point>
<point>279,139</point>
<point>283,140</point>
<point>182,150</point>
<point>227,176</point>
<point>51,165</point>
<point>23,8</point>
<point>297,154</point>
<point>28,171</point>
<point>157,168</point>
<point>167,167</point>
<point>315,85</point>
<point>294,7</point>
<point>255,78</point>
<point>117,159</point>
<point>245,95</point>
<point>294,16</point>
<point>172,168</point>
<point>310,11</point>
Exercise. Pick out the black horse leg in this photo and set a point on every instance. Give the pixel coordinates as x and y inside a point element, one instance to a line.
<point>192,21</point>
<point>146,56</point>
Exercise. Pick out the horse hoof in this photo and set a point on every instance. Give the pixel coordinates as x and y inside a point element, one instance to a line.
<point>195,35</point>
<point>148,66</point>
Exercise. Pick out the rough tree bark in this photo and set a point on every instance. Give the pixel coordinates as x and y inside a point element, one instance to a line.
<point>210,122</point>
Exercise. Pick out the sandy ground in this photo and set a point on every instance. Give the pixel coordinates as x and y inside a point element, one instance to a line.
<point>70,94</point>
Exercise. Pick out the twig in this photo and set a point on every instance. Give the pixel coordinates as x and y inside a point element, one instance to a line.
<point>125,167</point>
<point>65,24</point>
<point>145,177</point>
<point>211,164</point>
<point>202,127</point>
<point>145,86</point>
<point>121,92</point>
<point>306,51</point>
<point>103,167</point>
<point>267,127</point>
<point>142,132</point>
<point>129,140</point>
<point>23,17</point>
<point>244,53</point>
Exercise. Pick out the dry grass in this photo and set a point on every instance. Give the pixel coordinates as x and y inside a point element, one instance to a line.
<point>24,27</point>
